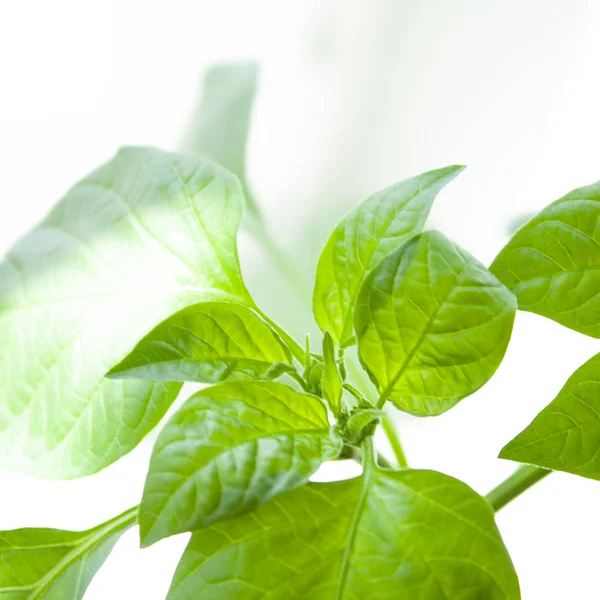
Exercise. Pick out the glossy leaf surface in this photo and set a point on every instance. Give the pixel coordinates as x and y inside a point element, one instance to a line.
<point>432,324</point>
<point>565,436</point>
<point>409,534</point>
<point>552,263</point>
<point>363,238</point>
<point>142,237</point>
<point>208,342</point>
<point>230,448</point>
<point>51,564</point>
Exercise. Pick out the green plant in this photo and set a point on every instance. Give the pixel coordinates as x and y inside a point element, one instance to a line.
<point>132,286</point>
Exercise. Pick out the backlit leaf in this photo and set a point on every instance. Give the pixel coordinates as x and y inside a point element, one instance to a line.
<point>208,342</point>
<point>418,535</point>
<point>142,237</point>
<point>363,238</point>
<point>432,325</point>
<point>230,448</point>
<point>51,564</point>
<point>552,263</point>
<point>565,436</point>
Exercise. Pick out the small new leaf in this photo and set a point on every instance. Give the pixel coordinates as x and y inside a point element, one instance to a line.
<point>332,381</point>
<point>50,564</point>
<point>230,448</point>
<point>409,534</point>
<point>370,232</point>
<point>552,263</point>
<point>565,436</point>
<point>432,325</point>
<point>360,420</point>
<point>209,343</point>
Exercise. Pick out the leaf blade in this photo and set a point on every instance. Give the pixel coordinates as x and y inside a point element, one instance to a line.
<point>433,325</point>
<point>143,236</point>
<point>55,564</point>
<point>208,342</point>
<point>552,264</point>
<point>364,237</point>
<point>388,558</point>
<point>565,435</point>
<point>230,448</point>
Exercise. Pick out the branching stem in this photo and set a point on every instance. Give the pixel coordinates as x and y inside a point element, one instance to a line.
<point>521,480</point>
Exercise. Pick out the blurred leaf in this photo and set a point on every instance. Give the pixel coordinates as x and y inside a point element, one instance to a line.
<point>552,264</point>
<point>51,564</point>
<point>230,448</point>
<point>142,237</point>
<point>408,534</point>
<point>517,222</point>
<point>208,342</point>
<point>219,129</point>
<point>372,230</point>
<point>432,325</point>
<point>565,436</point>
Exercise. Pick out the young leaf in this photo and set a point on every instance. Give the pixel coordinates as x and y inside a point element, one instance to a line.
<point>408,534</point>
<point>552,263</point>
<point>359,420</point>
<point>332,381</point>
<point>565,436</point>
<point>230,448</point>
<point>137,240</point>
<point>370,232</point>
<point>432,325</point>
<point>208,342</point>
<point>51,564</point>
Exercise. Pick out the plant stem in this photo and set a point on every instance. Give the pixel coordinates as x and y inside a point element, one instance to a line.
<point>394,439</point>
<point>522,479</point>
<point>368,451</point>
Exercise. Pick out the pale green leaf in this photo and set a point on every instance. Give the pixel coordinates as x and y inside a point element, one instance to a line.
<point>208,342</point>
<point>332,381</point>
<point>552,263</point>
<point>565,436</point>
<point>418,535</point>
<point>432,325</point>
<point>230,448</point>
<point>219,129</point>
<point>51,564</point>
<point>363,238</point>
<point>144,236</point>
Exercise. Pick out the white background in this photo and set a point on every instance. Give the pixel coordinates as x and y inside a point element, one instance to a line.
<point>354,95</point>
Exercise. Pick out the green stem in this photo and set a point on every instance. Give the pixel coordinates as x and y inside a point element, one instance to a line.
<point>394,439</point>
<point>521,480</point>
<point>368,454</point>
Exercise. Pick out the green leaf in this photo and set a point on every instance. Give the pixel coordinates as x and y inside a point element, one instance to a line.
<point>363,238</point>
<point>230,448</point>
<point>144,236</point>
<point>552,263</point>
<point>208,342</point>
<point>432,325</point>
<point>52,564</point>
<point>219,129</point>
<point>332,381</point>
<point>565,436</point>
<point>418,535</point>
